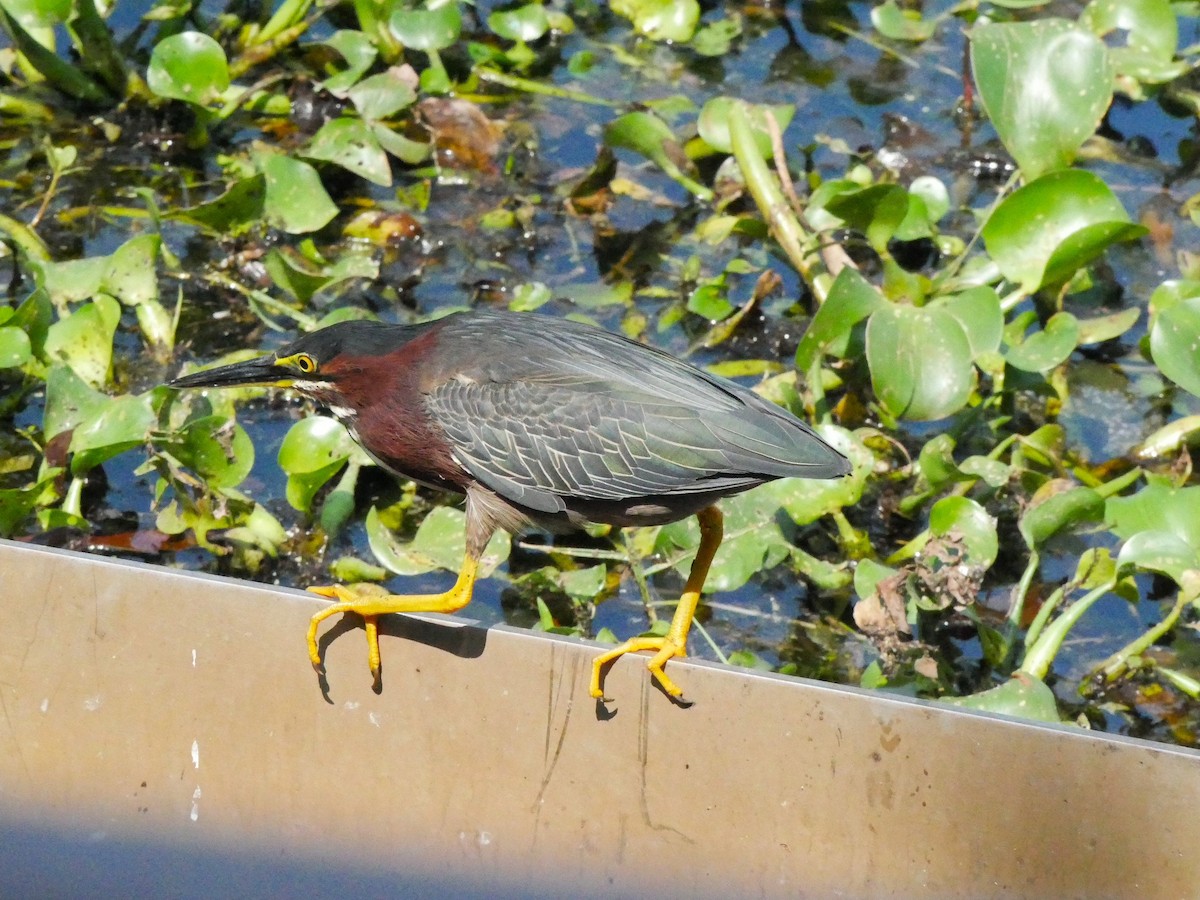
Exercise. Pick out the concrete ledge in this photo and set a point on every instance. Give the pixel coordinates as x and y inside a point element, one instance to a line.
<point>165,728</point>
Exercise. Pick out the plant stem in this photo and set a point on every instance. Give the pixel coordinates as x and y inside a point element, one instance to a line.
<point>1041,654</point>
<point>774,207</point>
<point>1115,665</point>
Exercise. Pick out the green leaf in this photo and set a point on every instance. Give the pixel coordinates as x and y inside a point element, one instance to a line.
<point>647,134</point>
<point>1045,349</point>
<point>900,24</point>
<point>1047,230</point>
<point>1022,696</point>
<point>382,95</point>
<point>1160,551</point>
<point>69,401</point>
<point>359,52</point>
<point>84,339</point>
<point>1065,509</point>
<point>661,20</point>
<point>233,211</point>
<point>966,517</point>
<point>525,23</point>
<point>188,66</point>
<point>977,311</point>
<point>713,124</point>
<point>16,504</point>
<point>584,584</point>
<point>313,451</point>
<point>1105,328</point>
<point>1151,34</point>
<point>15,349</point>
<point>1175,332</point>
<point>1045,86</point>
<point>1160,506</point>
<point>351,144</point>
<point>440,543</point>
<point>716,38</point>
<point>295,200</point>
<point>920,360</point>
<point>851,299</point>
<point>215,448</point>
<point>433,28</point>
<point>119,425</point>
<point>936,462</point>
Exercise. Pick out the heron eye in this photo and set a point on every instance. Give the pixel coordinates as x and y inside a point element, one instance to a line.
<point>306,364</point>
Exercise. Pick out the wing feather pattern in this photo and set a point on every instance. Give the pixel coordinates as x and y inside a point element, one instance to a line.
<point>536,417</point>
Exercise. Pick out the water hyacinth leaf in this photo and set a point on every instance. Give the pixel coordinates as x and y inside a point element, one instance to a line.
<point>1045,85</point>
<point>351,144</point>
<point>876,211</point>
<point>851,299</point>
<point>189,66</point>
<point>16,504</point>
<point>1075,506</point>
<point>805,499</point>
<point>1043,233</point>
<point>382,95</point>
<point>936,462</point>
<point>259,530</point>
<point>35,14</point>
<point>524,24</point>
<point>1151,34</point>
<point>303,278</point>
<point>69,401</point>
<point>1159,506</point>
<point>661,20</point>
<point>130,274</point>
<point>920,361</point>
<point>1022,696</point>
<point>358,51</point>
<point>1175,332</point>
<point>646,134</point>
<point>1160,551</point>
<point>233,211</point>
<point>216,448</point>
<point>710,300</point>
<point>1099,329</point>
<point>868,574</point>
<point>586,583</point>
<point>977,311</point>
<point>713,123</point>
<point>439,543</point>
<point>1045,349</point>
<point>967,518</point>
<point>933,194</point>
<point>118,425</point>
<point>37,46</point>
<point>403,148</point>
<point>433,28</point>
<point>84,339</point>
<point>15,349</point>
<point>991,471</point>
<point>899,24</point>
<point>314,451</point>
<point>72,280</point>
<point>716,38</point>
<point>295,200</point>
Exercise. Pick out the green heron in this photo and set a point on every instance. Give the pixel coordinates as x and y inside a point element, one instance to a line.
<point>542,423</point>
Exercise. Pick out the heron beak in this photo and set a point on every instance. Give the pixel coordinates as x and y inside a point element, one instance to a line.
<point>262,370</point>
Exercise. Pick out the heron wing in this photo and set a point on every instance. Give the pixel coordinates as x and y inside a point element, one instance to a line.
<point>584,434</point>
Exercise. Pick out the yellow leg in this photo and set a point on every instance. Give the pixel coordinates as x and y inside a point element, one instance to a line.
<point>371,601</point>
<point>674,643</point>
